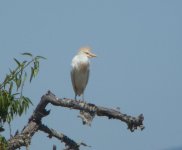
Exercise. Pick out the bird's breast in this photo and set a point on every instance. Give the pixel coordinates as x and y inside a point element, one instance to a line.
<point>83,67</point>
<point>80,63</point>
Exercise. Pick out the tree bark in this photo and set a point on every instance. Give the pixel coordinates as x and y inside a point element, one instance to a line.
<point>87,113</point>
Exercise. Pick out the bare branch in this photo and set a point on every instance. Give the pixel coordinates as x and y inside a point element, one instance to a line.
<point>132,122</point>
<point>87,113</point>
<point>70,144</point>
<point>24,138</point>
<point>34,124</point>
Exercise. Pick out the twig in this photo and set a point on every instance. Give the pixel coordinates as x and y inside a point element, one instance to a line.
<point>70,144</point>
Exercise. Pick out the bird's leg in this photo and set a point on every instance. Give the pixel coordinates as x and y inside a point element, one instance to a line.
<point>75,96</point>
<point>83,97</point>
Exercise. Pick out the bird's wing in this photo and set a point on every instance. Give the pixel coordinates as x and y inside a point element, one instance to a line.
<point>73,79</point>
<point>87,76</point>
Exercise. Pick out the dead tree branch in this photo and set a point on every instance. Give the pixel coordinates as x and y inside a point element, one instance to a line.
<point>132,122</point>
<point>34,124</point>
<point>87,113</point>
<point>70,144</point>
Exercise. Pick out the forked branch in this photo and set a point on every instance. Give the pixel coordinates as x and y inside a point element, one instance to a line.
<point>87,112</point>
<point>132,122</point>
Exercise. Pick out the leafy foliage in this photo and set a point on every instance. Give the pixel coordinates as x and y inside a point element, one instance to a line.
<point>3,143</point>
<point>12,100</point>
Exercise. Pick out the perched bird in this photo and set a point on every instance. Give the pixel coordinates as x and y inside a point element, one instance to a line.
<point>80,70</point>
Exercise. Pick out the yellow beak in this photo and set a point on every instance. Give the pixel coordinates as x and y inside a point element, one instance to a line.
<point>92,55</point>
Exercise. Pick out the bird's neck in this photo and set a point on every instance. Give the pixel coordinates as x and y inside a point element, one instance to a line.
<point>83,58</point>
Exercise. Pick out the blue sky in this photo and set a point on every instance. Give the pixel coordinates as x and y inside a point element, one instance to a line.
<point>138,67</point>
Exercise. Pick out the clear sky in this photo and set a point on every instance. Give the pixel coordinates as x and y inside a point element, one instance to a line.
<point>138,68</point>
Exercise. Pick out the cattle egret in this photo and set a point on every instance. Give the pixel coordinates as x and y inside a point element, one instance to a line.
<point>80,70</point>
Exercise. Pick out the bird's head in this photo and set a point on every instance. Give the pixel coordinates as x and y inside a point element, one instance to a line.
<point>87,51</point>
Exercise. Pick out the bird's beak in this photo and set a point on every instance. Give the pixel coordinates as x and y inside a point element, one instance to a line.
<point>92,55</point>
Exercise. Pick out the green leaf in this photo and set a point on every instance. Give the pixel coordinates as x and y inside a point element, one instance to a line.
<point>18,63</point>
<point>24,78</point>
<point>14,107</point>
<point>28,100</point>
<point>36,67</point>
<point>10,87</point>
<point>18,83</point>
<point>24,62</point>
<point>25,103</point>
<point>8,118</point>
<point>36,71</point>
<point>14,94</point>
<point>20,110</point>
<point>27,54</point>
<point>40,57</point>
<point>36,64</point>
<point>32,73</point>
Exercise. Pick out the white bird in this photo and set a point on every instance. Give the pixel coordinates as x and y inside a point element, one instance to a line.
<point>80,70</point>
